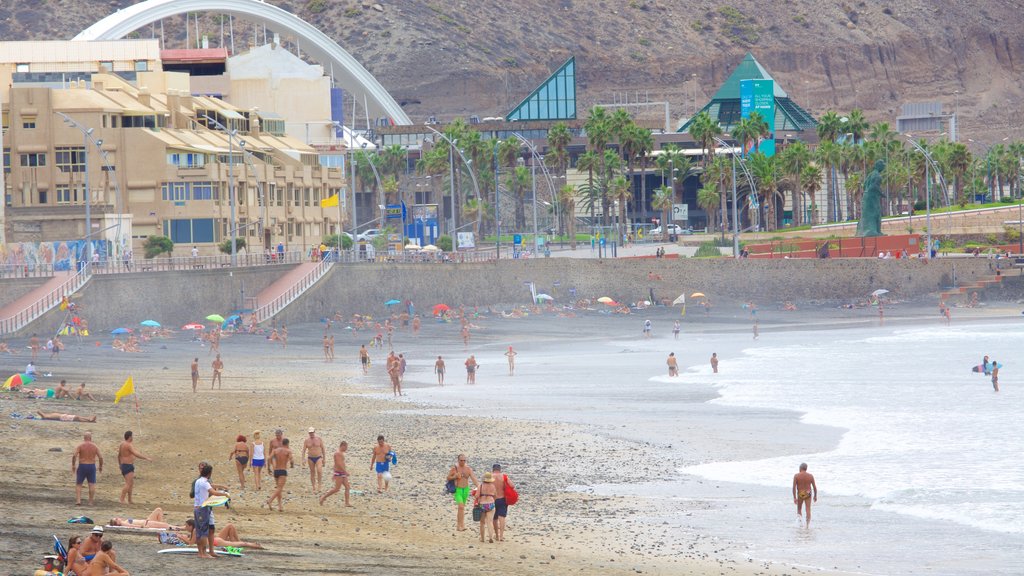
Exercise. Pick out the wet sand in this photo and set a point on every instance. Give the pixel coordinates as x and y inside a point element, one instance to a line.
<point>557,528</point>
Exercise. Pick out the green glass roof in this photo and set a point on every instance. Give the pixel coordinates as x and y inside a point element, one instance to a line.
<point>554,99</point>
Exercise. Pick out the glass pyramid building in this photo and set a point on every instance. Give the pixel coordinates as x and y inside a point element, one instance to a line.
<point>554,99</point>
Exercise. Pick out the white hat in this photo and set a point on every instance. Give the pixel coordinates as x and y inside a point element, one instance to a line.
<point>311,429</point>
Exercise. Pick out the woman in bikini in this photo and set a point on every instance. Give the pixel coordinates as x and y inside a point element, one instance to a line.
<point>258,458</point>
<point>485,498</point>
<point>76,564</point>
<point>154,520</point>
<point>226,537</point>
<point>240,454</point>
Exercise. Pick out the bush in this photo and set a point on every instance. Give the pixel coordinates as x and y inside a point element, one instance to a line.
<point>920,205</point>
<point>225,245</point>
<point>157,245</point>
<point>331,240</point>
<point>708,250</point>
<point>1007,200</point>
<point>444,243</point>
<point>1011,233</point>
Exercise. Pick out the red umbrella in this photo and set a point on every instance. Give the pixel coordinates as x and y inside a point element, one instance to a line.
<point>193,326</point>
<point>612,303</point>
<point>441,308</point>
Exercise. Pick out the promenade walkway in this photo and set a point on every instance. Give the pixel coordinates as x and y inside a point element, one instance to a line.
<point>21,312</point>
<point>286,289</point>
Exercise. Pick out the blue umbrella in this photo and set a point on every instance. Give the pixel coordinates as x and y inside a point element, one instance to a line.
<point>119,331</point>
<point>150,323</point>
<point>392,302</point>
<point>230,320</point>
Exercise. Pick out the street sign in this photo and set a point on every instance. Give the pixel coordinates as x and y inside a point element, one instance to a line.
<point>517,239</point>
<point>395,212</point>
<point>680,212</point>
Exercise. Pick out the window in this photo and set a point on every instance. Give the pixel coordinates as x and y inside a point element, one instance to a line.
<point>21,68</point>
<point>67,194</point>
<point>28,122</point>
<point>141,66</point>
<point>305,196</point>
<point>189,231</point>
<point>296,194</point>
<point>147,121</point>
<point>70,159</point>
<point>37,159</point>
<point>186,159</point>
<point>42,196</point>
<point>106,66</point>
<point>202,190</point>
<point>7,160</point>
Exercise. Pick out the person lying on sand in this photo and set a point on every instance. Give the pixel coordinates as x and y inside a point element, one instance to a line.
<point>65,417</point>
<point>154,520</point>
<point>227,536</point>
<point>5,348</point>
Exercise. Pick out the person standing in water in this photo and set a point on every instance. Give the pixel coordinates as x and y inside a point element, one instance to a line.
<point>804,491</point>
<point>673,365</point>
<point>995,376</point>
<point>714,362</point>
<point>511,354</point>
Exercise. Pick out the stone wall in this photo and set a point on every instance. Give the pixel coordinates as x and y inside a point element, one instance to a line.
<point>175,298</point>
<point>13,288</point>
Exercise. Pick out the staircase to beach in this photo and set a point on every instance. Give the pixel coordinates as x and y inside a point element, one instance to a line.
<point>286,289</point>
<point>966,290</point>
<point>39,301</point>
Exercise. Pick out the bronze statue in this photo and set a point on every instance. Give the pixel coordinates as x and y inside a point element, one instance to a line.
<point>870,223</point>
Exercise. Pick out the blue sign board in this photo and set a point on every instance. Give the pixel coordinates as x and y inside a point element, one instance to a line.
<point>395,211</point>
<point>517,239</point>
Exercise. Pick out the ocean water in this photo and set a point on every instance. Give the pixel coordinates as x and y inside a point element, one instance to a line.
<point>921,471</point>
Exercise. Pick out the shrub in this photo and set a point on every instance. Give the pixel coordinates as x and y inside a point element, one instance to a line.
<point>331,240</point>
<point>920,205</point>
<point>225,245</point>
<point>316,6</point>
<point>444,243</point>
<point>708,250</point>
<point>157,245</point>
<point>353,12</point>
<point>1011,233</point>
<point>1007,200</point>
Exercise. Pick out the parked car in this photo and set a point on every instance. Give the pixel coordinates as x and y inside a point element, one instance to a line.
<point>672,229</point>
<point>369,235</point>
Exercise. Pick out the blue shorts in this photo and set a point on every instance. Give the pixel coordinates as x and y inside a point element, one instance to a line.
<point>257,463</point>
<point>86,473</point>
<point>500,508</point>
<point>382,467</point>
<point>204,521</point>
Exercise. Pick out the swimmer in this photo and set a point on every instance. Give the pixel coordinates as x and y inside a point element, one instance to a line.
<point>673,365</point>
<point>439,370</point>
<point>804,491</point>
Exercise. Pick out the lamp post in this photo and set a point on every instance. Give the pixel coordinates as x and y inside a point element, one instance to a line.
<point>86,139</point>
<point>533,169</point>
<point>735,220</point>
<point>929,163</point>
<point>469,166</point>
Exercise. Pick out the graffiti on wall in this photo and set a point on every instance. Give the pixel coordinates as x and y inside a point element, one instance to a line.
<point>60,255</point>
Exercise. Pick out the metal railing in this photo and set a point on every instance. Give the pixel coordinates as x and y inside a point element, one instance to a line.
<point>265,312</point>
<point>48,302</point>
<point>485,254</point>
<point>112,266</point>
<point>27,270</point>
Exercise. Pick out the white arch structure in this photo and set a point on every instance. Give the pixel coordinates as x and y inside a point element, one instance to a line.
<point>318,45</point>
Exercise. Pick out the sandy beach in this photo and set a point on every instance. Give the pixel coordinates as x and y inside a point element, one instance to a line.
<point>564,523</point>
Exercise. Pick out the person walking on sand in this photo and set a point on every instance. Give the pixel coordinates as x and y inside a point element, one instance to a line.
<point>714,362</point>
<point>203,515</point>
<point>126,455</point>
<point>673,365</point>
<point>647,328</point>
<point>218,367</point>
<point>381,463</point>
<point>804,491</point>
<point>485,497</point>
<point>280,460</point>
<point>327,348</point>
<point>461,474</point>
<point>240,454</point>
<point>675,329</point>
<point>84,466</point>
<point>33,344</point>
<point>756,334</point>
<point>364,358</point>
<point>195,374</point>
<point>511,354</point>
<point>258,458</point>
<point>439,370</point>
<point>465,335</point>
<point>471,367</point>
<point>340,475</point>
<point>995,376</point>
<point>394,369</point>
<point>501,485</point>
<point>313,450</point>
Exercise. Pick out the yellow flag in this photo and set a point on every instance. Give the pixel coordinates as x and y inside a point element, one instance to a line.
<point>329,202</point>
<point>683,313</point>
<point>127,389</point>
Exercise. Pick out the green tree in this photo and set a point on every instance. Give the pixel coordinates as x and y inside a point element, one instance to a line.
<point>708,199</point>
<point>567,198</point>
<point>589,163</point>
<point>811,178</point>
<point>856,125</point>
<point>764,169</point>
<point>331,240</point>
<point>154,246</point>
<point>793,160</point>
<point>225,245</point>
<point>663,200</point>
<point>519,182</point>
<point>705,129</point>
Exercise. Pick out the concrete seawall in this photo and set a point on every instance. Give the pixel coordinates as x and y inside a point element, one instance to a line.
<point>174,298</point>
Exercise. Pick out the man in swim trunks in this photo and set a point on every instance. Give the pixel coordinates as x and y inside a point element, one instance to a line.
<point>500,503</point>
<point>195,373</point>
<point>995,376</point>
<point>804,490</point>
<point>218,367</point>
<point>64,417</point>
<point>461,474</point>
<point>340,475</point>
<point>673,365</point>
<point>126,455</point>
<point>381,463</point>
<point>394,369</point>
<point>62,391</point>
<point>511,354</point>
<point>714,362</point>
<point>81,392</point>
<point>364,358</point>
<point>471,367</point>
<point>313,449</point>
<point>439,370</point>
<point>83,466</point>
<point>280,460</point>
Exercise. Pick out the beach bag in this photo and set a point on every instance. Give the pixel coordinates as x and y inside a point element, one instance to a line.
<point>478,512</point>
<point>449,487</point>
<point>511,495</point>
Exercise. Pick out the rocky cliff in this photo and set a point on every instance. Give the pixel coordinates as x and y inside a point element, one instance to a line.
<point>460,58</point>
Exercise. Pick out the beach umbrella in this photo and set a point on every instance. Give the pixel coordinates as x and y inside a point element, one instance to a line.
<point>612,303</point>
<point>441,308</point>
<point>430,248</point>
<point>698,295</point>
<point>230,319</point>
<point>879,292</point>
<point>392,302</point>
<point>193,326</point>
<point>544,297</point>
<point>17,381</point>
<point>605,300</point>
<point>150,323</point>
<point>120,331</point>
<point>681,299</point>
<point>412,246</point>
<point>215,318</point>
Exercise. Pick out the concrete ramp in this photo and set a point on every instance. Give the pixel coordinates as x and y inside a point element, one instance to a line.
<point>274,298</point>
<point>24,310</point>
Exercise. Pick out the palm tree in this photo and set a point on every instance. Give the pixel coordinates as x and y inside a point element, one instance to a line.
<point>708,199</point>
<point>764,169</point>
<point>611,164</point>
<point>759,129</point>
<point>856,125</point>
<point>619,192</point>
<point>478,212</point>
<point>519,183</point>
<point>705,129</point>
<point>673,165</point>
<point>830,154</point>
<point>811,178</point>
<point>663,199</point>
<point>589,162</point>
<point>745,132</point>
<point>644,145</point>
<point>794,159</point>
<point>855,189</point>
<point>712,178</point>
<point>567,198</point>
<point>393,161</point>
<point>433,163</point>
<point>959,161</point>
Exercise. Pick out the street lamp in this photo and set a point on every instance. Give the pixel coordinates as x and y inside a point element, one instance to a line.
<point>469,166</point>
<point>537,158</point>
<point>735,220</point>
<point>929,163</point>
<point>87,138</point>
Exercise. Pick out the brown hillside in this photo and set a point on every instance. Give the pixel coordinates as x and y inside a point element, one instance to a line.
<point>482,57</point>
